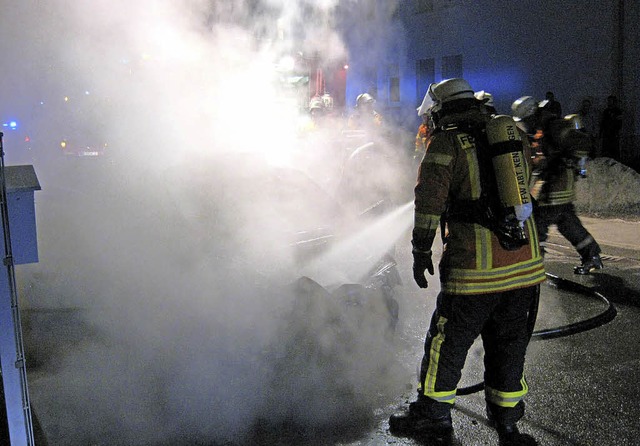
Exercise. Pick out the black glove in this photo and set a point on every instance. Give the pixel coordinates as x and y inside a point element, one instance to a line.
<point>421,263</point>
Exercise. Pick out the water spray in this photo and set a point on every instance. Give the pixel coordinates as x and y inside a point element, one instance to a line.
<point>360,252</point>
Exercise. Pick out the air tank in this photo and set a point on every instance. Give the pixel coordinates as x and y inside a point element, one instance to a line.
<point>509,165</point>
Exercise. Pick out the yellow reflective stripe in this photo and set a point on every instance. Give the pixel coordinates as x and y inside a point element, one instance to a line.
<point>557,202</point>
<point>484,254</point>
<point>426,221</point>
<point>584,243</point>
<point>434,357</point>
<point>509,270</point>
<point>507,399</point>
<point>465,281</point>
<point>460,287</point>
<point>441,159</point>
<point>533,238</point>
<point>448,396</point>
<point>561,194</point>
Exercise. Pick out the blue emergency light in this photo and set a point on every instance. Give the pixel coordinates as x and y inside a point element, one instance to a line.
<point>12,125</point>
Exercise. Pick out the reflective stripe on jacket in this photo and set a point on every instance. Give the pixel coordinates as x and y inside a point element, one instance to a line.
<point>559,189</point>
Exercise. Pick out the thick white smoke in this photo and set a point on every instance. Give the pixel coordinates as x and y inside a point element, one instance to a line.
<point>176,244</point>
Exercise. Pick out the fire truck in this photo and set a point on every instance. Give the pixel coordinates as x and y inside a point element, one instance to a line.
<point>304,77</point>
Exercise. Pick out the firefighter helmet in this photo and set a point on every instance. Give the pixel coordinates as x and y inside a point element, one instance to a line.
<point>485,97</point>
<point>327,100</point>
<point>449,90</point>
<point>576,121</point>
<point>364,98</point>
<point>425,107</point>
<point>316,103</point>
<point>524,107</point>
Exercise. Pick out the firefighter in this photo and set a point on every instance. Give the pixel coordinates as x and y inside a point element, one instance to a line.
<point>320,115</point>
<point>313,121</point>
<point>489,277</point>
<point>365,116</point>
<point>562,147</point>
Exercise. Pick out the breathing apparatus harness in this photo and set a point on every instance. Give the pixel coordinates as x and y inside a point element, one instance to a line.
<point>504,203</point>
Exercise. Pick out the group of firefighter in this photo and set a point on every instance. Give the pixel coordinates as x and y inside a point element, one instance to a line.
<point>364,117</point>
<point>490,185</point>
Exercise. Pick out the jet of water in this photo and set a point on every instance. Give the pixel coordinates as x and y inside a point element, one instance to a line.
<point>358,253</point>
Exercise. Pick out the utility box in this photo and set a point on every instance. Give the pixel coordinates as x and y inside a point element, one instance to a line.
<point>21,183</point>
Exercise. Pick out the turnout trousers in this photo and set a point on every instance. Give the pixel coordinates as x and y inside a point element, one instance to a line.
<point>569,225</point>
<point>505,323</point>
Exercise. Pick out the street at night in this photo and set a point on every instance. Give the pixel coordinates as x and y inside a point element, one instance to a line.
<point>217,215</point>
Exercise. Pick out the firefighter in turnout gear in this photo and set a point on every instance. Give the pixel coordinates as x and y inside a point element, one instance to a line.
<point>365,116</point>
<point>560,160</point>
<point>490,269</point>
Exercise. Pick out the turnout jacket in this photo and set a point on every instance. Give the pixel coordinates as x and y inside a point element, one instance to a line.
<point>560,187</point>
<point>473,261</point>
<point>555,166</point>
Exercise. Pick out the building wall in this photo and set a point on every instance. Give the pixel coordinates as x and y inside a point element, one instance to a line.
<point>631,84</point>
<point>509,48</point>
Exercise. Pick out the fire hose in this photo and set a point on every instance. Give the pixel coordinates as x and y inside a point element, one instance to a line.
<point>566,330</point>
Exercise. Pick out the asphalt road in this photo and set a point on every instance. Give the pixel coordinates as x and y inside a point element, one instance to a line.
<point>582,387</point>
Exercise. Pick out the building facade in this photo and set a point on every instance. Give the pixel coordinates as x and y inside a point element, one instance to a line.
<point>576,49</point>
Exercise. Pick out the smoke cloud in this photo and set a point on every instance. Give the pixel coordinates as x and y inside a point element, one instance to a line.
<point>177,246</point>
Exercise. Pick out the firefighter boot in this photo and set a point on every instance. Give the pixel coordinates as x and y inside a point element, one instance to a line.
<point>504,421</point>
<point>419,421</point>
<point>589,264</point>
<point>509,435</point>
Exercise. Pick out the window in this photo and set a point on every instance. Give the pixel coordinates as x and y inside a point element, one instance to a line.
<point>452,66</point>
<point>394,89</point>
<point>425,75</point>
<point>372,81</point>
<point>393,73</point>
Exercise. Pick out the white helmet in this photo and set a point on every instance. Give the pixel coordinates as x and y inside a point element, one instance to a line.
<point>425,107</point>
<point>364,98</point>
<point>524,107</point>
<point>449,90</point>
<point>576,121</point>
<point>327,100</point>
<point>485,97</point>
<point>316,103</point>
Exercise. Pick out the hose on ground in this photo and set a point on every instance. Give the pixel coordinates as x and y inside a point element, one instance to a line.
<point>566,330</point>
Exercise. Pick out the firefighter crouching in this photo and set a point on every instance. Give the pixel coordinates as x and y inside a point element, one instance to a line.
<point>490,269</point>
<point>562,147</point>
